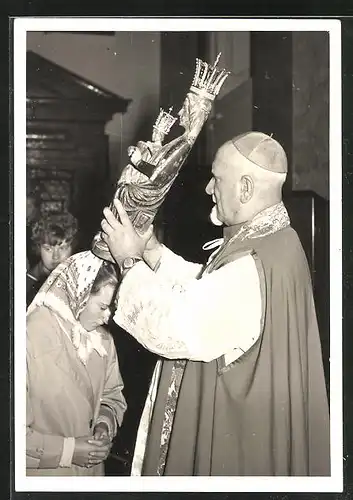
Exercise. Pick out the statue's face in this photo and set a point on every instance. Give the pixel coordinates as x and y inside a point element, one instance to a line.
<point>184,113</point>
<point>157,135</point>
<point>193,110</point>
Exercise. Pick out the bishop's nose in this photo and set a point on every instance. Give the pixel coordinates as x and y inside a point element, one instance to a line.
<point>210,187</point>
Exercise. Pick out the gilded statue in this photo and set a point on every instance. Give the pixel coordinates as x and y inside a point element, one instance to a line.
<point>146,180</point>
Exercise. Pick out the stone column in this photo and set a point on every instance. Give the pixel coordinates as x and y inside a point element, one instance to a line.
<point>290,74</point>
<point>310,88</point>
<point>232,111</point>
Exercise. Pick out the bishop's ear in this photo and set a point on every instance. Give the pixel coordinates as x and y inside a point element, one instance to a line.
<point>247,189</point>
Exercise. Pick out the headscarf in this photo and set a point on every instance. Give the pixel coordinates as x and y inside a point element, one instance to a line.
<point>66,292</point>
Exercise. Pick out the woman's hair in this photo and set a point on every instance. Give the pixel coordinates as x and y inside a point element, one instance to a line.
<point>53,229</point>
<point>107,275</point>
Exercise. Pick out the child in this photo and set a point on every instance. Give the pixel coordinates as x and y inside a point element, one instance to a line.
<point>53,239</point>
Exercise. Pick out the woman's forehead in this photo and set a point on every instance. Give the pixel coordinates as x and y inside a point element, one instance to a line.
<point>105,293</point>
<point>55,241</point>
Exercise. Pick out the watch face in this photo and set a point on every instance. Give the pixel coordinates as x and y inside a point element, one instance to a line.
<point>128,262</point>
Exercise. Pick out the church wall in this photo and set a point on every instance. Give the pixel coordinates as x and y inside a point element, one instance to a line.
<point>127,63</point>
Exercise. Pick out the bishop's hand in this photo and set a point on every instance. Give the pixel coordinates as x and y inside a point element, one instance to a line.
<point>120,235</point>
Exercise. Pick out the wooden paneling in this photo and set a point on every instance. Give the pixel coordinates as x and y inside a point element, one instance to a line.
<point>67,149</point>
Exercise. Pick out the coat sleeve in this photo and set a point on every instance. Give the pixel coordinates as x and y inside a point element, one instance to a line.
<point>43,451</point>
<point>113,404</point>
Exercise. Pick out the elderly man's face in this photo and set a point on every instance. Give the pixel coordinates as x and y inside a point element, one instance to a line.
<point>224,187</point>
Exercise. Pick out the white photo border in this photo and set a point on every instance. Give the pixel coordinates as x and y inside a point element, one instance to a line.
<point>334,483</point>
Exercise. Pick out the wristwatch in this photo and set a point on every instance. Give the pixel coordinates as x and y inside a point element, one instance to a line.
<point>129,262</point>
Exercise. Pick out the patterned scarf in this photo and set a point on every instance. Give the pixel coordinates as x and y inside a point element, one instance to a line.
<point>267,222</point>
<point>66,292</point>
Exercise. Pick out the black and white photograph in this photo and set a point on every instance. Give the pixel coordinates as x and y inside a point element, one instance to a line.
<point>177,255</point>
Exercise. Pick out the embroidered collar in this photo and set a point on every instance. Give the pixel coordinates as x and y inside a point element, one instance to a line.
<point>266,222</point>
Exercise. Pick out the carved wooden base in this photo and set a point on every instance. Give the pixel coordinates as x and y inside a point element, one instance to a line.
<point>100,249</point>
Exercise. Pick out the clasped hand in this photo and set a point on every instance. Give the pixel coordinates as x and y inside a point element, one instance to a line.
<point>92,450</point>
<point>120,235</point>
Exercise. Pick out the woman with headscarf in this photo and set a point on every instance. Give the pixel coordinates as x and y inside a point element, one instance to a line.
<point>74,387</point>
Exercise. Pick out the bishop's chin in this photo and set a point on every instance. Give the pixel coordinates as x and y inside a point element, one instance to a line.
<point>214,218</point>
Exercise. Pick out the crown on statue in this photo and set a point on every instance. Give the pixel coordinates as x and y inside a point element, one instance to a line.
<point>164,121</point>
<point>208,80</point>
